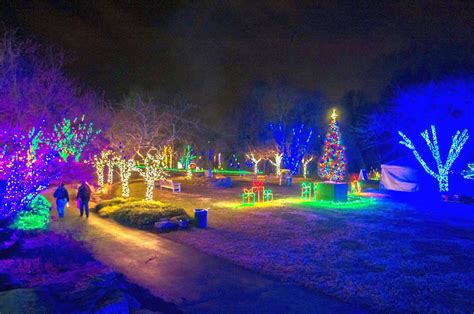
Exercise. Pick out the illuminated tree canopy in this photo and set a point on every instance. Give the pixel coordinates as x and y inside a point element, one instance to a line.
<point>71,137</point>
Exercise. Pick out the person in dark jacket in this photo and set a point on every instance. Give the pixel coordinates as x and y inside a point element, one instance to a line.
<point>62,198</point>
<point>84,196</point>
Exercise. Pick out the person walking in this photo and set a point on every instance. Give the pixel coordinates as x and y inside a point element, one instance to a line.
<point>62,198</point>
<point>84,196</point>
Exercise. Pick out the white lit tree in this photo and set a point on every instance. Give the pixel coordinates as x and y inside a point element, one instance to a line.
<point>125,167</point>
<point>305,162</point>
<point>152,171</point>
<point>255,162</point>
<point>100,162</point>
<point>458,142</point>
<point>277,162</point>
<point>110,162</point>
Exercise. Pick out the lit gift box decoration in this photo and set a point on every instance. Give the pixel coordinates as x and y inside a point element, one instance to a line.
<point>258,187</point>
<point>306,188</point>
<point>257,193</point>
<point>267,195</point>
<point>248,197</point>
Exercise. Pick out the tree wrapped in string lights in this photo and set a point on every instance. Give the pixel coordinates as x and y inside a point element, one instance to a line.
<point>100,162</point>
<point>71,137</point>
<point>168,156</point>
<point>125,167</point>
<point>152,171</point>
<point>186,161</point>
<point>255,161</point>
<point>110,162</point>
<point>332,164</point>
<point>292,151</point>
<point>277,163</point>
<point>305,162</point>
<point>27,166</point>
<point>459,139</point>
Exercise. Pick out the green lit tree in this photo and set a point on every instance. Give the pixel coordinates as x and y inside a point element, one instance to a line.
<point>71,137</point>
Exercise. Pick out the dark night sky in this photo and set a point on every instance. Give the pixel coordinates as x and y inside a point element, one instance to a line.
<point>213,51</point>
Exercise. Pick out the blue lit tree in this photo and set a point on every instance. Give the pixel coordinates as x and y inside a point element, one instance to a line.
<point>292,147</point>
<point>448,104</point>
<point>468,173</point>
<point>458,142</point>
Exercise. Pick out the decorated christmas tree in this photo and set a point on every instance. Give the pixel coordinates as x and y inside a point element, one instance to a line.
<point>332,164</point>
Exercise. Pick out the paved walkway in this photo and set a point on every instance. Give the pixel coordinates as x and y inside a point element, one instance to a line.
<point>196,282</point>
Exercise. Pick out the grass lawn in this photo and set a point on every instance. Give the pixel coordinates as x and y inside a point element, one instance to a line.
<point>386,255</point>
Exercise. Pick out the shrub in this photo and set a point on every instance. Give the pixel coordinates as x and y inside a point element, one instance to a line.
<point>114,201</point>
<point>140,214</point>
<point>35,216</point>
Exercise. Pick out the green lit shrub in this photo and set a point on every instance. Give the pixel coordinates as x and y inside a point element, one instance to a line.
<point>35,217</point>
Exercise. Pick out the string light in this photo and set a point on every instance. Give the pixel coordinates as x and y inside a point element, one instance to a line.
<point>36,217</point>
<point>468,174</point>
<point>27,167</point>
<point>248,197</point>
<point>277,163</point>
<point>306,188</point>
<point>71,137</point>
<point>294,152</point>
<point>355,186</point>
<point>152,172</point>
<point>99,163</point>
<point>257,193</point>
<point>110,162</point>
<point>374,174</point>
<point>457,144</point>
<point>255,162</point>
<point>126,167</point>
<point>186,161</point>
<point>168,156</point>
<point>219,161</point>
<point>305,163</point>
<point>332,164</point>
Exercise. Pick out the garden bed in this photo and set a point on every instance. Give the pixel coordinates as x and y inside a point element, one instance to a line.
<point>138,213</point>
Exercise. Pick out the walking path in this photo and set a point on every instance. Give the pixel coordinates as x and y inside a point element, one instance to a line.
<point>196,282</point>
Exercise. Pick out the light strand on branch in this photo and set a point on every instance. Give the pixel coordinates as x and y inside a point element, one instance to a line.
<point>277,163</point>
<point>255,162</point>
<point>457,144</point>
<point>152,172</point>
<point>126,167</point>
<point>71,137</point>
<point>305,163</point>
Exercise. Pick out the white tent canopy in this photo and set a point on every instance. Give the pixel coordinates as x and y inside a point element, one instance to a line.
<point>399,177</point>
